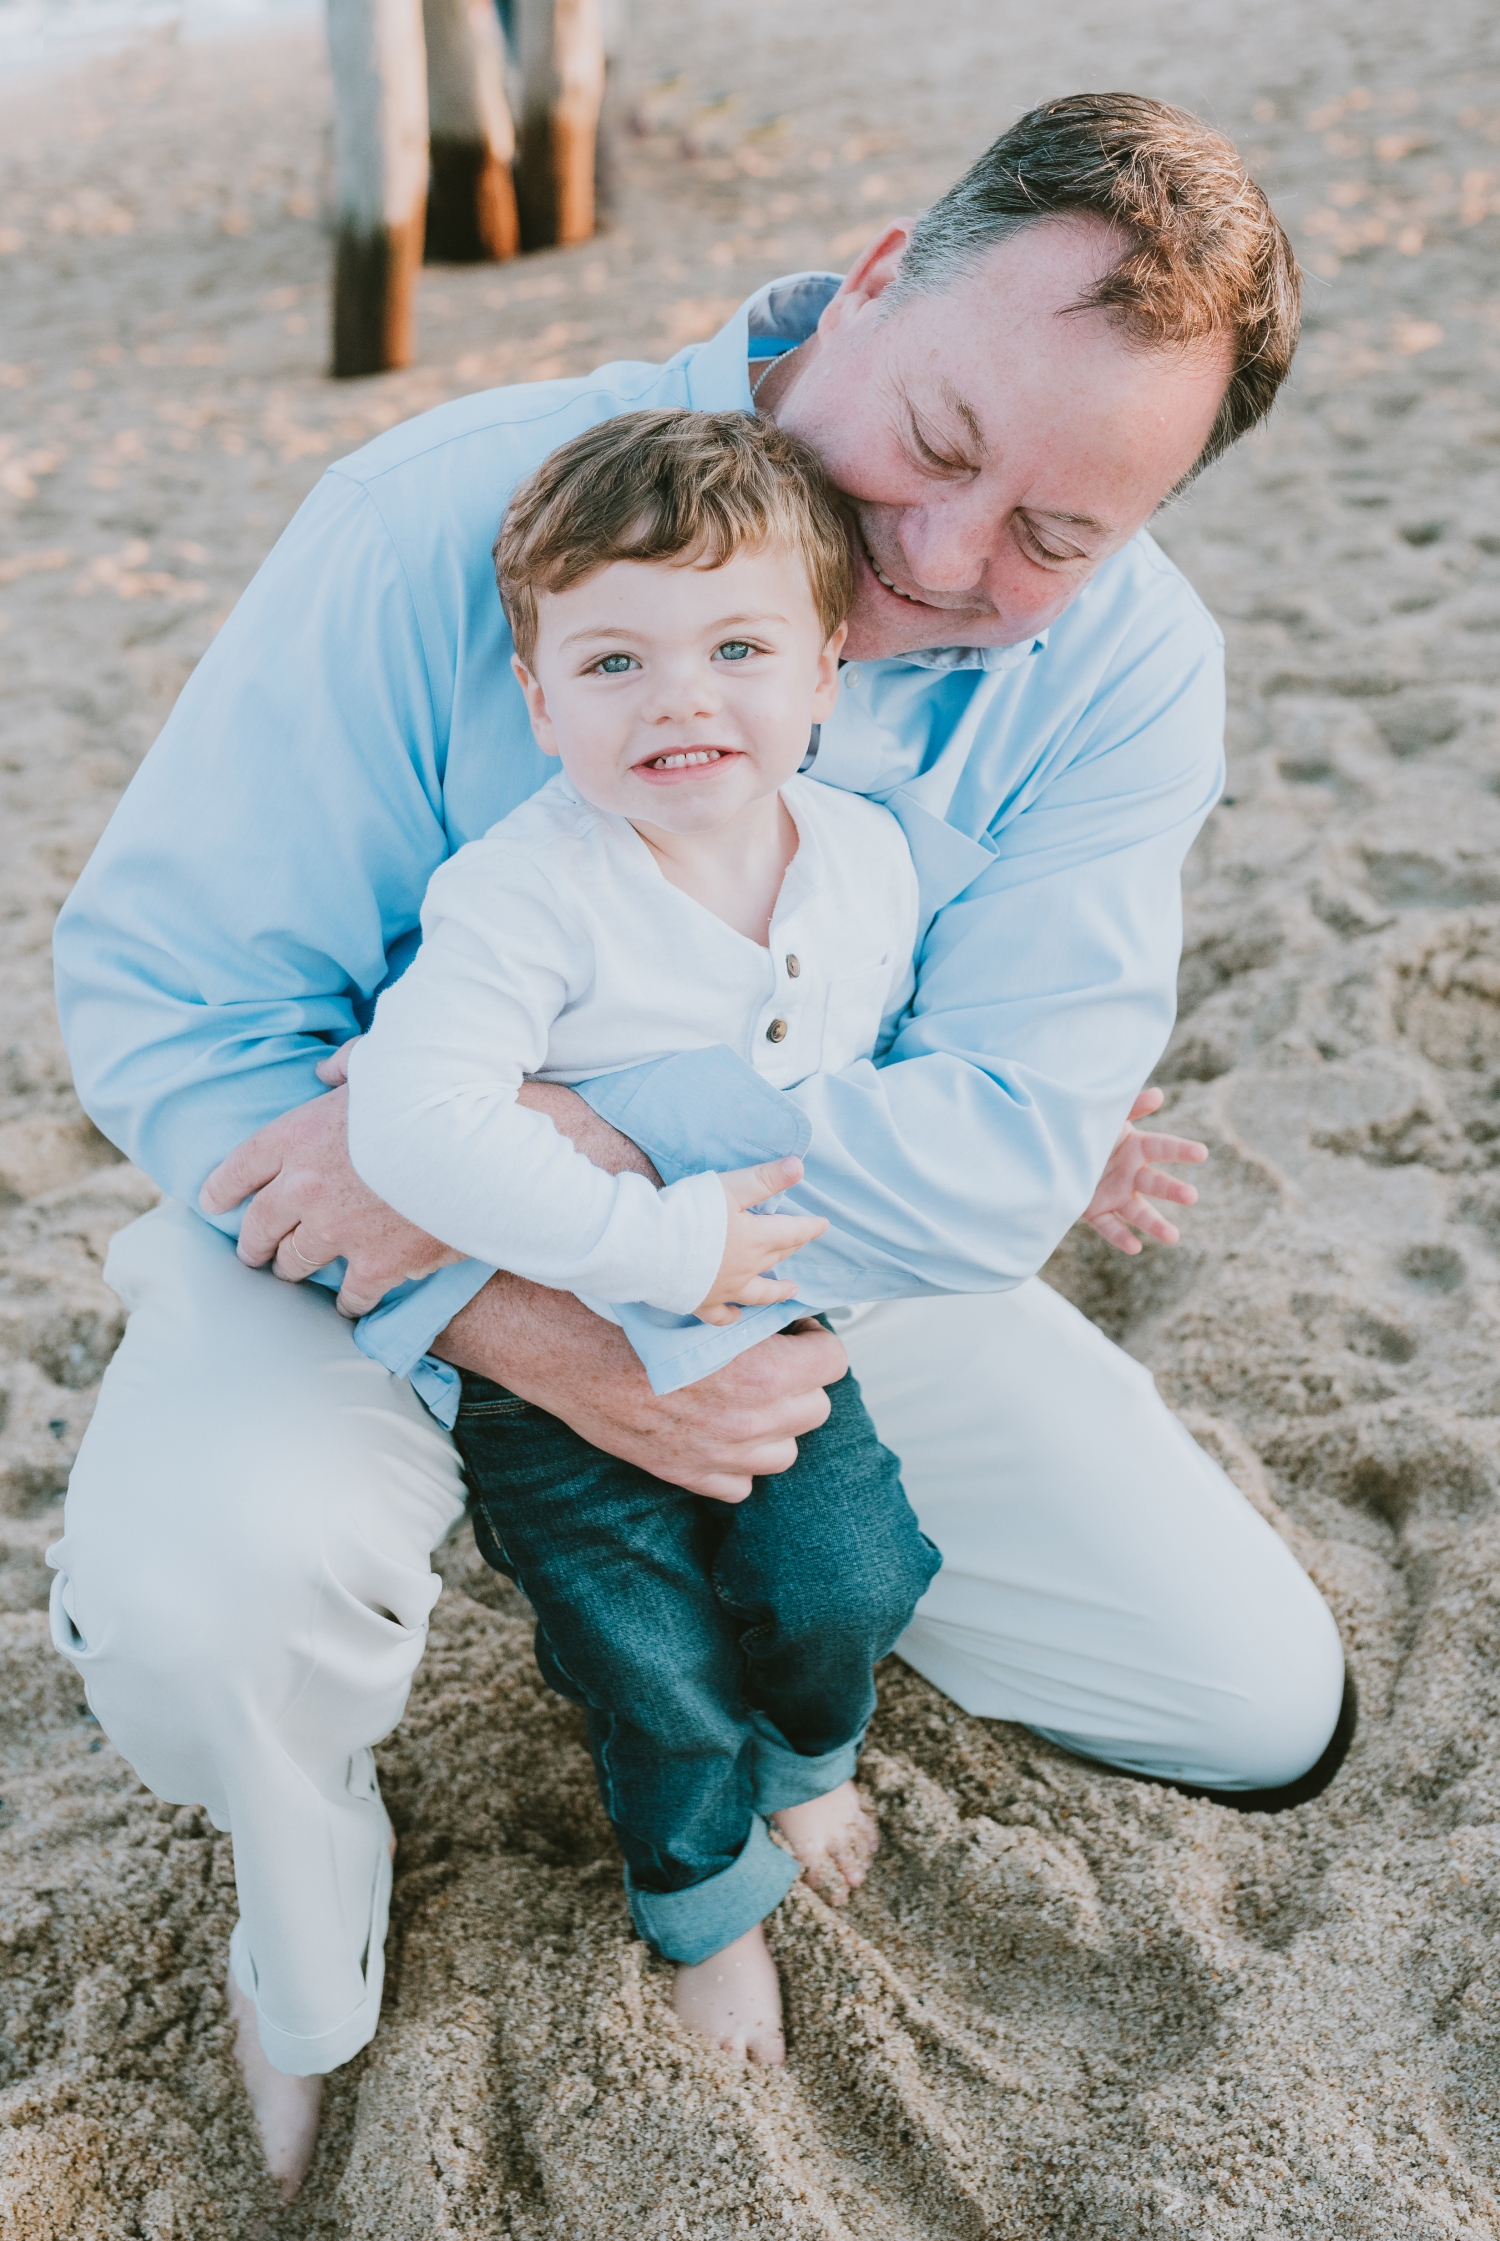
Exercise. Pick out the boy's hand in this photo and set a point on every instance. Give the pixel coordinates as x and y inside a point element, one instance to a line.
<point>756,1241</point>
<point>334,1069</point>
<point>1119,1206</point>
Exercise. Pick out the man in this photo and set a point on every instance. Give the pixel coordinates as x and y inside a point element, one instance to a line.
<point>1005,392</point>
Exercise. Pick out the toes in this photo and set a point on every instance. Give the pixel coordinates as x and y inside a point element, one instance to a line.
<point>832,1883</point>
<point>822,1873</point>
<point>856,1854</point>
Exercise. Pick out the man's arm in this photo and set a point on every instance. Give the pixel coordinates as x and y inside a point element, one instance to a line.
<point>713,1438</point>
<point>267,862</point>
<point>1046,993</point>
<point>263,873</point>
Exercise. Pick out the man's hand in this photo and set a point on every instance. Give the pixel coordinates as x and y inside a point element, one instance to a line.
<point>715,1437</point>
<point>740,1423</point>
<point>1120,1205</point>
<point>310,1208</point>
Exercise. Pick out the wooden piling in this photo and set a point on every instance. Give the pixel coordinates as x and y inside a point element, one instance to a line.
<point>560,45</point>
<point>471,196</point>
<point>378,54</point>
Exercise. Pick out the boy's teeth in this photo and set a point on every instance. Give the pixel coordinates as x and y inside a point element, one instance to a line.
<point>693,755</point>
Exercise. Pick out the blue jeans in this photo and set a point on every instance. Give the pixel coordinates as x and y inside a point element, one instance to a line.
<point>723,1653</point>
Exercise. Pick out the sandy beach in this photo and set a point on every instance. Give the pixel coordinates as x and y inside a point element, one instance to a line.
<point>1066,2004</point>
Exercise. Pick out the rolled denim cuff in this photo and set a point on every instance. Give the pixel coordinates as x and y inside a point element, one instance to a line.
<point>689,1925</point>
<point>787,1777</point>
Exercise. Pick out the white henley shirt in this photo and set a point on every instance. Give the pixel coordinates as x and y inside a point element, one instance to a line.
<point>554,949</point>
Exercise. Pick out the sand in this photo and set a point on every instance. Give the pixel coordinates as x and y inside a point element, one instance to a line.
<point>1067,2004</point>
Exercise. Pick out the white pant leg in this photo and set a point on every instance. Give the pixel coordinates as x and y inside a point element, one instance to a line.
<point>1103,1581</point>
<point>244,1586</point>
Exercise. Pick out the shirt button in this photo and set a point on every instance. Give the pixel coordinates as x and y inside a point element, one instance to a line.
<point>793,967</point>
<point>776,1032</point>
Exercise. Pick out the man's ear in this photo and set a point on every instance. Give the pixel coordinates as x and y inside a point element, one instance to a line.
<point>536,706</point>
<point>871,273</point>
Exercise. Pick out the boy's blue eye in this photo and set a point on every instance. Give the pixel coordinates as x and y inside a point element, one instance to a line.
<point>733,649</point>
<point>615,665</point>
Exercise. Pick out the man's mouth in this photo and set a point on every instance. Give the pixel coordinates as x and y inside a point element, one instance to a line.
<point>929,606</point>
<point>882,578</point>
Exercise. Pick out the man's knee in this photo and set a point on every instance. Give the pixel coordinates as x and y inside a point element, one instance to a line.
<point>1293,1708</point>
<point>158,1641</point>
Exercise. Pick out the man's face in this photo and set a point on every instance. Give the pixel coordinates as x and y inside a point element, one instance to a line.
<point>995,447</point>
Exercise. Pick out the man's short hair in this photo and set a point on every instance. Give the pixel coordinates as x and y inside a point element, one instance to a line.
<point>1204,257</point>
<point>670,485</point>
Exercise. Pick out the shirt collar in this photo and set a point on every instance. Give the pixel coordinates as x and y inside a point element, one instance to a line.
<point>992,658</point>
<point>718,377</point>
<point>718,380</point>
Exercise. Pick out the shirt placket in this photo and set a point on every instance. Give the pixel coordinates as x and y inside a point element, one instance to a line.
<point>783,1037</point>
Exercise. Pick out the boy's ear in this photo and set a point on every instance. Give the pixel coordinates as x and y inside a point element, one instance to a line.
<point>826,690</point>
<point>536,706</point>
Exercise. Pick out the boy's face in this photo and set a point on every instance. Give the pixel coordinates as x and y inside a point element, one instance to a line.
<point>677,694</point>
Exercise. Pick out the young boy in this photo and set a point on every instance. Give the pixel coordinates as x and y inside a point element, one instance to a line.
<point>676,585</point>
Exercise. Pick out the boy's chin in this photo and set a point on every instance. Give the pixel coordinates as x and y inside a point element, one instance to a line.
<point>686,813</point>
<point>698,805</point>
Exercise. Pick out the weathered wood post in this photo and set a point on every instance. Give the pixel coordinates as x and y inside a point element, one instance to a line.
<point>560,47</point>
<point>471,196</point>
<point>380,179</point>
<point>613,117</point>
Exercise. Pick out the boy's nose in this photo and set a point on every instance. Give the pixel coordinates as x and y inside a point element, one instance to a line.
<point>682,696</point>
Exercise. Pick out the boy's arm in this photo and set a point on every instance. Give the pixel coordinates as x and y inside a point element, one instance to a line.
<point>436,1131</point>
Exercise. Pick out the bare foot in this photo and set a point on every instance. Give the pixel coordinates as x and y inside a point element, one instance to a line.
<point>286,2109</point>
<point>835,1838</point>
<point>734,1998</point>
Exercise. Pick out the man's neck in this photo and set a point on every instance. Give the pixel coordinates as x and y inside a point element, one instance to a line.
<point>736,870</point>
<point>771,384</point>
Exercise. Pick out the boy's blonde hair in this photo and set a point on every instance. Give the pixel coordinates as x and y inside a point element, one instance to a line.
<point>670,485</point>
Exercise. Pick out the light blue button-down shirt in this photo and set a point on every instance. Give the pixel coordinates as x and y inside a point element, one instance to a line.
<point>356,721</point>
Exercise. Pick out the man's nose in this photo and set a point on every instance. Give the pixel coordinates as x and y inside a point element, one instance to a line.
<point>948,547</point>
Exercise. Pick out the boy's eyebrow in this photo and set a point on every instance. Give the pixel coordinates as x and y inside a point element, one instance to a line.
<point>619,630</point>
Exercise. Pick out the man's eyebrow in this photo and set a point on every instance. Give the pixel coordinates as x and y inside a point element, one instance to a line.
<point>959,405</point>
<point>954,401</point>
<point>1073,521</point>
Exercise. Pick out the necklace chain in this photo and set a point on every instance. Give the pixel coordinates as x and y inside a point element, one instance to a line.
<point>779,360</point>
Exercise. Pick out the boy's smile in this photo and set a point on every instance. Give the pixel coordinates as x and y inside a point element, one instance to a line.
<point>686,762</point>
